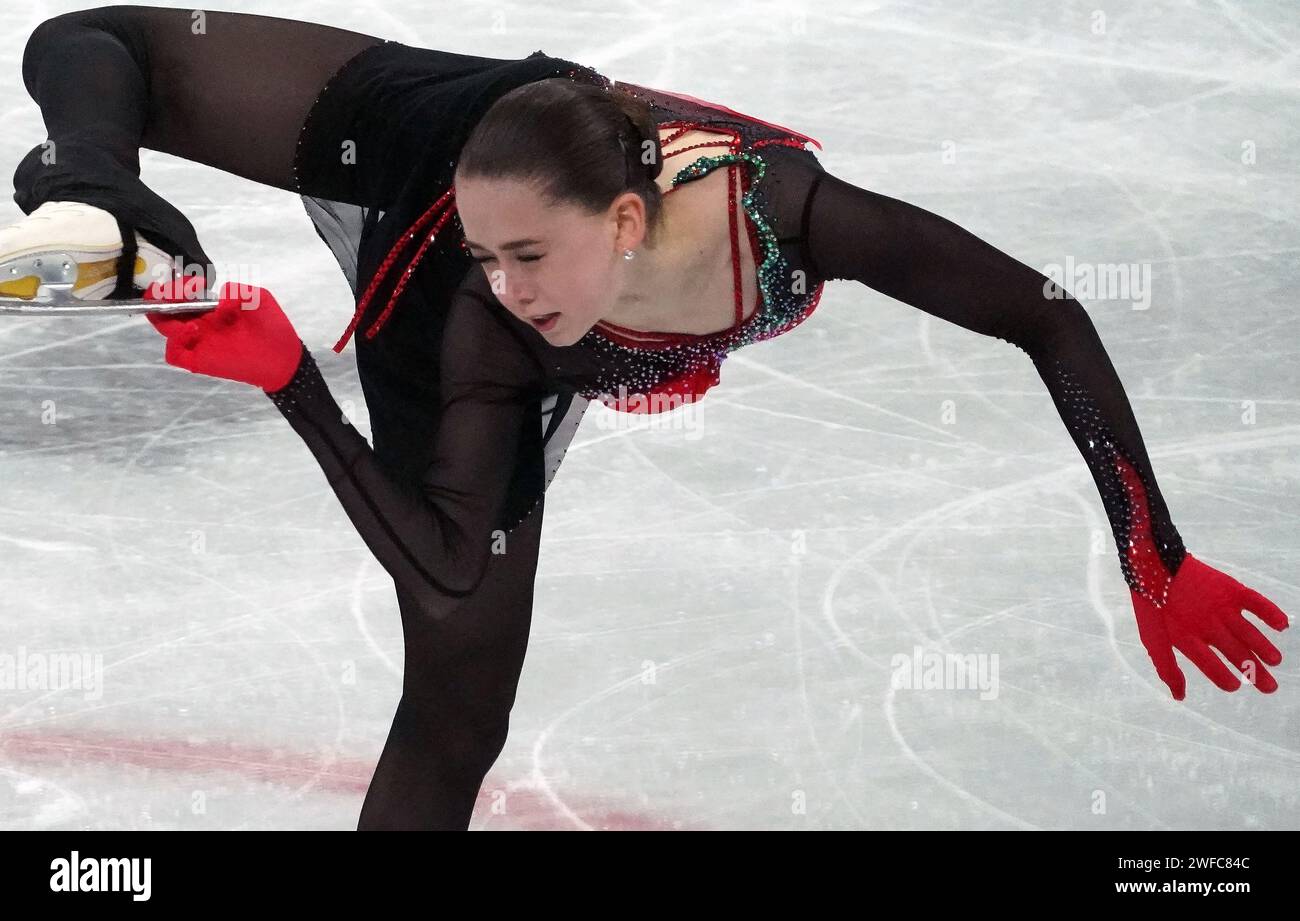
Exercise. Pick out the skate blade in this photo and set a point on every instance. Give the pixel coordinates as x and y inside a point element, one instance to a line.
<point>45,284</point>
<point>83,308</point>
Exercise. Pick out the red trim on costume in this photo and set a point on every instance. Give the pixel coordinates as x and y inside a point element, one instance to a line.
<point>674,392</point>
<point>721,108</point>
<point>1142,553</point>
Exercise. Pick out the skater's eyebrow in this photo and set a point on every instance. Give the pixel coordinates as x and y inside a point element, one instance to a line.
<point>513,244</point>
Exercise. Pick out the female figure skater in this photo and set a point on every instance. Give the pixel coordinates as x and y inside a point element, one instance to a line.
<point>628,240</point>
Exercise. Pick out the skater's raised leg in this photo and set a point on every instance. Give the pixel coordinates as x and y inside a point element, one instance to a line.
<point>228,90</point>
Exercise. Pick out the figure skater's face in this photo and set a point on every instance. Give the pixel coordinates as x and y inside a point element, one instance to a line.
<point>555,267</point>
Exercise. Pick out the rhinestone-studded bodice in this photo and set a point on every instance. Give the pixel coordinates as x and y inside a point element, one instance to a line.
<point>652,372</point>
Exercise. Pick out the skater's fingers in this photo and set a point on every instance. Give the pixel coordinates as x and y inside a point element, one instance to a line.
<point>235,293</point>
<point>169,324</point>
<point>1258,675</point>
<point>1205,658</point>
<point>1262,608</point>
<point>1155,638</point>
<point>178,356</point>
<point>164,323</point>
<point>255,297</point>
<point>1259,644</point>
<point>249,297</point>
<point>1168,670</point>
<point>1246,662</point>
<point>1239,654</point>
<point>227,312</point>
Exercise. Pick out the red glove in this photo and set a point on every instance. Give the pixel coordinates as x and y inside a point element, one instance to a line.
<point>1197,609</point>
<point>247,338</point>
<point>1203,610</point>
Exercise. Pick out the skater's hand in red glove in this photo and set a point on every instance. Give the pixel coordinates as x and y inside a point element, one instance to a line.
<point>1203,610</point>
<point>247,338</point>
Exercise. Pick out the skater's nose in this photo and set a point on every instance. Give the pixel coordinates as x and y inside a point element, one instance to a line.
<point>521,302</point>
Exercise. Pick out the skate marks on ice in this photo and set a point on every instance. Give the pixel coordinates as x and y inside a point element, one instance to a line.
<point>685,666</point>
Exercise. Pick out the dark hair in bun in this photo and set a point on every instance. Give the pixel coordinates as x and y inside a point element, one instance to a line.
<point>580,142</point>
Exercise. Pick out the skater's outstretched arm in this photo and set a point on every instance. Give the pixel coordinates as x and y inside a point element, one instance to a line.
<point>434,537</point>
<point>228,90</point>
<point>933,264</point>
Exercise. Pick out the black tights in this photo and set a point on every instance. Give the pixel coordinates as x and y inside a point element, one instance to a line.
<point>231,91</point>
<point>460,676</point>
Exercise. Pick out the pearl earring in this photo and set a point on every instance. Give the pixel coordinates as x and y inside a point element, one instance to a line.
<point>628,254</point>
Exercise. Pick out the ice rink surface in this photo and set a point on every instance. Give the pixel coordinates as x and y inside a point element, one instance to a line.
<point>720,610</point>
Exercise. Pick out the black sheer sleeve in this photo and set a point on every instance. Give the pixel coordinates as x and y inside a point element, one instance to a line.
<point>228,90</point>
<point>434,536</point>
<point>931,263</point>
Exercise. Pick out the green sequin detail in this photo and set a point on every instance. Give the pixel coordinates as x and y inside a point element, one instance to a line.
<point>766,238</point>
<point>642,368</point>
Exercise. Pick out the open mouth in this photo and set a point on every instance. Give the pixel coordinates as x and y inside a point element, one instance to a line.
<point>545,322</point>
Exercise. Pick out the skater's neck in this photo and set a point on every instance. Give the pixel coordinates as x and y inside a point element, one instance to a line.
<point>664,282</point>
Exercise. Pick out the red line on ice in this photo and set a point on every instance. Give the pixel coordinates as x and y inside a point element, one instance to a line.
<point>346,776</point>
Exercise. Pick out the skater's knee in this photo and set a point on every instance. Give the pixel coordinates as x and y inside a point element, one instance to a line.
<point>467,739</point>
<point>37,45</point>
<point>473,749</point>
<point>48,35</point>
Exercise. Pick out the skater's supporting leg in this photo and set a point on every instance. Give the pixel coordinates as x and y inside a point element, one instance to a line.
<point>461,673</point>
<point>463,656</point>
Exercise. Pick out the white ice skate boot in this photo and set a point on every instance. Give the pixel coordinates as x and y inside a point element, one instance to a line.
<point>63,257</point>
